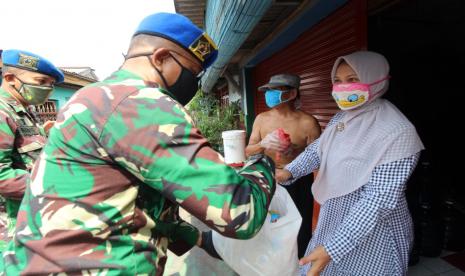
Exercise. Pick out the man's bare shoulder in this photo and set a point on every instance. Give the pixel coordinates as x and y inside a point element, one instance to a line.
<point>263,116</point>
<point>306,118</point>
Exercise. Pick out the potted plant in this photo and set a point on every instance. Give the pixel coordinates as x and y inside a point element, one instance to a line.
<point>212,119</point>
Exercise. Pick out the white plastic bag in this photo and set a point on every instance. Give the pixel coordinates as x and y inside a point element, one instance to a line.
<point>273,251</point>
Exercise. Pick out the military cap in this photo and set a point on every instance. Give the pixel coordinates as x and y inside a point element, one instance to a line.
<point>180,30</point>
<point>31,62</point>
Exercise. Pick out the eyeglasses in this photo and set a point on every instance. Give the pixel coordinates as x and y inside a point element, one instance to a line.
<point>198,76</point>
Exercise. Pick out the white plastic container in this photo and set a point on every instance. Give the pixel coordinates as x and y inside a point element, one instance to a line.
<point>234,146</point>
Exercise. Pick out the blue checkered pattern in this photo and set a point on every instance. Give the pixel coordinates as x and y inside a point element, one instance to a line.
<point>369,231</point>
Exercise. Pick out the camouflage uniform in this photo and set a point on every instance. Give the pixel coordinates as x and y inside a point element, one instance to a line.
<point>105,192</point>
<point>21,140</point>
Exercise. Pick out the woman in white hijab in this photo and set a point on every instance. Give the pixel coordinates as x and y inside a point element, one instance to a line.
<point>365,157</point>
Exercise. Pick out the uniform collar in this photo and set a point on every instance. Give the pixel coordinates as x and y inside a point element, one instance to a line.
<point>123,74</point>
<point>11,101</point>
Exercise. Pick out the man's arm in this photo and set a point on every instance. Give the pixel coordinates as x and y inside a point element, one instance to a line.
<point>47,126</point>
<point>254,146</point>
<point>12,181</point>
<point>314,129</point>
<point>310,126</point>
<point>162,148</point>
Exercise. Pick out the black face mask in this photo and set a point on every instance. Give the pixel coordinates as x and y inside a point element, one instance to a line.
<point>185,87</point>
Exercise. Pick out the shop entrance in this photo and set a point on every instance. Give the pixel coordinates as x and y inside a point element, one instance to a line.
<point>424,41</point>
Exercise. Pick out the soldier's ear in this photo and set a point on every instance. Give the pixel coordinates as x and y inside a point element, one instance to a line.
<point>9,78</point>
<point>160,56</point>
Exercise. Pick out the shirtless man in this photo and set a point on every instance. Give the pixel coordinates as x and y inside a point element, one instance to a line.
<point>281,95</point>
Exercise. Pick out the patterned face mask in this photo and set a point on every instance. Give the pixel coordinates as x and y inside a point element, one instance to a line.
<point>352,95</point>
<point>34,94</point>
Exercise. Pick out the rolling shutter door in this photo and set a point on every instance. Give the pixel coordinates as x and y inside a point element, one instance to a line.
<point>312,55</point>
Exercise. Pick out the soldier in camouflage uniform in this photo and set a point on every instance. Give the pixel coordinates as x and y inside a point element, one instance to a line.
<point>120,160</point>
<point>27,79</point>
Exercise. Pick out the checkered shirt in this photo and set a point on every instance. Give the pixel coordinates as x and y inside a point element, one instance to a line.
<point>369,231</point>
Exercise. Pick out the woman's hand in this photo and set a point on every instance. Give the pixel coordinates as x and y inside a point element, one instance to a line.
<point>282,175</point>
<point>319,259</point>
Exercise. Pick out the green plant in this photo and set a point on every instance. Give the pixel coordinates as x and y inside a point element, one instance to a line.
<point>212,120</point>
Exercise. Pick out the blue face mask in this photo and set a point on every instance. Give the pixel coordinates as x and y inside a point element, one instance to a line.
<point>273,97</point>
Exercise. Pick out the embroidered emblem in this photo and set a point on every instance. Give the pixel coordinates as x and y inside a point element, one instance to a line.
<point>28,61</point>
<point>202,47</point>
<point>26,131</point>
<point>340,126</point>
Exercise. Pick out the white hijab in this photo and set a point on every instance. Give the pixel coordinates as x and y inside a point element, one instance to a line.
<point>375,133</point>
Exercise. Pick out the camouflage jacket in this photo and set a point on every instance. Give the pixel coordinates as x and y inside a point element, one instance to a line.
<point>120,160</point>
<point>21,140</point>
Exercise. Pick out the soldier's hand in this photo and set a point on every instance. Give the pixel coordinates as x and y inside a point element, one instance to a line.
<point>48,125</point>
<point>207,245</point>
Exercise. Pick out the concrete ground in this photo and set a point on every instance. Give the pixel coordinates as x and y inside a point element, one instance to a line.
<point>434,267</point>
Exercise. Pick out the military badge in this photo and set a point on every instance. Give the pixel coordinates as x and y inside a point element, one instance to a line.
<point>26,131</point>
<point>203,46</point>
<point>28,61</point>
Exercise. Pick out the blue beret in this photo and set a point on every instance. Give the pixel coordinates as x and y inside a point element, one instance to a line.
<point>180,30</point>
<point>31,62</point>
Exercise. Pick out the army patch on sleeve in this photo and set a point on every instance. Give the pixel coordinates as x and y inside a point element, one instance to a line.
<point>28,130</point>
<point>28,61</point>
<point>203,46</point>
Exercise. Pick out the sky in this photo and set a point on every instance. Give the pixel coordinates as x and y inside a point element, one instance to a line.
<point>91,33</point>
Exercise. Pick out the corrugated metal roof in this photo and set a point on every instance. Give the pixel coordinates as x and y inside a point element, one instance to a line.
<point>77,79</point>
<point>194,9</point>
<point>83,71</point>
<point>277,13</point>
<point>229,24</point>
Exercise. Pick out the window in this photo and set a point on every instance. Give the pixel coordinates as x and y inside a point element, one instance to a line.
<point>47,111</point>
